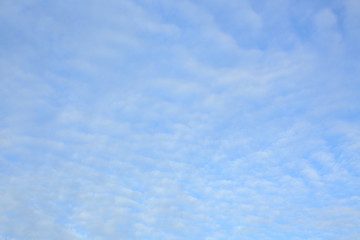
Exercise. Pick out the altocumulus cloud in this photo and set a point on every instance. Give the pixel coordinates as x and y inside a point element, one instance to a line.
<point>142,119</point>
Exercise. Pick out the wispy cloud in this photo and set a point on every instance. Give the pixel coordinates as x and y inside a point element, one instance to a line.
<point>179,120</point>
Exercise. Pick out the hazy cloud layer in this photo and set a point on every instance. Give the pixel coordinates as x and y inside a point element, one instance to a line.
<point>142,119</point>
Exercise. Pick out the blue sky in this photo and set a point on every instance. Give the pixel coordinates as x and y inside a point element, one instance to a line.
<point>162,119</point>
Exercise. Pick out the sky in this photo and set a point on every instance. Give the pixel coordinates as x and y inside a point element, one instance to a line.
<point>180,119</point>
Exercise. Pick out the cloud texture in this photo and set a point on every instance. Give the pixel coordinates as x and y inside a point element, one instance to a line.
<point>142,119</point>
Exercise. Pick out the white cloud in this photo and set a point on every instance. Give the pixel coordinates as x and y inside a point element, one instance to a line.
<point>144,120</point>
